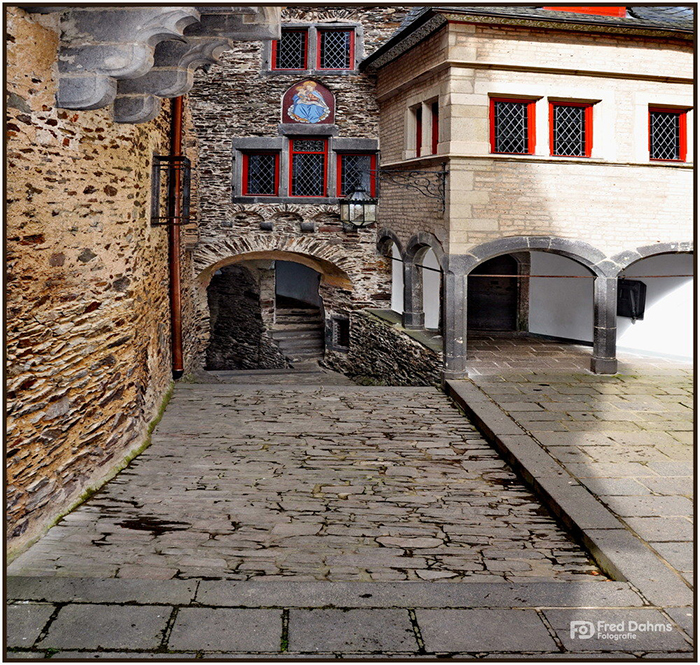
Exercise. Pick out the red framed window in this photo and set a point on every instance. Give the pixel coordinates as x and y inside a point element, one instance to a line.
<point>291,51</point>
<point>308,167</point>
<point>570,129</point>
<point>357,170</point>
<point>667,134</point>
<point>261,174</point>
<point>336,49</point>
<point>434,127</point>
<point>513,126</point>
<point>418,114</point>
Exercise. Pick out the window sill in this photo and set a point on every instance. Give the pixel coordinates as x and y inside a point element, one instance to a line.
<point>301,73</point>
<point>299,200</point>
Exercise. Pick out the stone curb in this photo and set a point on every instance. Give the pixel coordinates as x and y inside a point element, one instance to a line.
<point>622,555</point>
<point>281,594</point>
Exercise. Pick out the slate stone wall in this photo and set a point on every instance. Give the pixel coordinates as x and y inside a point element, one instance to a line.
<point>88,334</point>
<point>239,99</point>
<point>239,338</point>
<point>380,354</point>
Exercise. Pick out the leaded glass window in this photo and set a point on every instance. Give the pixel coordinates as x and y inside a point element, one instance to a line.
<point>511,127</point>
<point>335,49</point>
<point>308,165</point>
<point>569,130</point>
<point>356,171</point>
<point>290,50</point>
<point>665,135</point>
<point>261,174</point>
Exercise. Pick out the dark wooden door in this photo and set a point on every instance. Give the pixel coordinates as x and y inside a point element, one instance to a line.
<point>492,302</point>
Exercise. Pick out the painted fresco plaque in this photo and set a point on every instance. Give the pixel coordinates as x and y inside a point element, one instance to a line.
<point>308,103</point>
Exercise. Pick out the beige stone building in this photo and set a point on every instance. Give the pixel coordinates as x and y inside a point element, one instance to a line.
<point>567,140</point>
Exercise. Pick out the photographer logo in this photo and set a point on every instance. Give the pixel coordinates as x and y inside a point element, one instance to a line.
<point>584,630</point>
<point>624,630</point>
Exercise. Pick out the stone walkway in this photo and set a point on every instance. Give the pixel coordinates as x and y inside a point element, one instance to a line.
<point>627,438</point>
<point>414,538</point>
<point>318,483</point>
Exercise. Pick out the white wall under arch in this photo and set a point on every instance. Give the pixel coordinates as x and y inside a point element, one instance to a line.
<point>560,307</point>
<point>667,326</point>
<point>396,279</point>
<point>431,290</point>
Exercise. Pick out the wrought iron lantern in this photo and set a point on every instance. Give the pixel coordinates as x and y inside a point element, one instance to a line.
<point>358,210</point>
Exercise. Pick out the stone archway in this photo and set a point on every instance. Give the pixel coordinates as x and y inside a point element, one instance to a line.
<point>259,254</point>
<point>593,260</point>
<point>416,250</point>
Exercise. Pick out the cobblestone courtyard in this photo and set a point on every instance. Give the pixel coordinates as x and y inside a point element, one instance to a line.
<point>335,483</point>
<point>316,518</point>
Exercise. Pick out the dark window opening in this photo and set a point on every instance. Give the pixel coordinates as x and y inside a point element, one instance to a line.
<point>512,126</point>
<point>419,130</point>
<point>308,172</point>
<point>261,174</point>
<point>355,172</point>
<point>335,49</point>
<point>341,333</point>
<point>290,51</point>
<point>571,130</point>
<point>667,135</point>
<point>435,127</point>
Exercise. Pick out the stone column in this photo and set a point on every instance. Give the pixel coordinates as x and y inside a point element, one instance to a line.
<point>413,315</point>
<point>454,300</point>
<point>604,360</point>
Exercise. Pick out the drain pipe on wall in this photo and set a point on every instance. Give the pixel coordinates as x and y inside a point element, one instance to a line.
<point>174,243</point>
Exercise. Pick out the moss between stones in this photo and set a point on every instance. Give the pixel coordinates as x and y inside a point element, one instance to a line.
<point>120,466</point>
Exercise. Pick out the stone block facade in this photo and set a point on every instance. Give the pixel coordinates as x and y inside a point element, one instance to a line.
<point>616,195</point>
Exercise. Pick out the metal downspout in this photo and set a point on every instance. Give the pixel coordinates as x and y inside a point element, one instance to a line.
<point>174,244</point>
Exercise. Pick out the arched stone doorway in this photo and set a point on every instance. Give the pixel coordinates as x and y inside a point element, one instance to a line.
<point>269,309</point>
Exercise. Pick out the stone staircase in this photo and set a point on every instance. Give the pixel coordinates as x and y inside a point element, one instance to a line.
<point>299,333</point>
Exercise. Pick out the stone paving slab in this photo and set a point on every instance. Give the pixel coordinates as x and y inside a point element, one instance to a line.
<point>25,622</point>
<point>107,627</point>
<point>416,594</point>
<point>638,630</point>
<point>474,630</point>
<point>355,630</point>
<point>95,590</point>
<point>223,629</point>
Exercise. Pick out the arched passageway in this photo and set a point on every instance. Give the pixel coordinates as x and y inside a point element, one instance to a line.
<point>664,326</point>
<point>267,310</point>
<point>431,274</point>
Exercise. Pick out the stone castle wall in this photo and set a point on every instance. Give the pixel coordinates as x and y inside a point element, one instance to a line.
<point>88,347</point>
<point>381,354</point>
<point>238,99</point>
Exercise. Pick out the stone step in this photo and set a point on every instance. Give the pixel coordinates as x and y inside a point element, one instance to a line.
<point>300,333</point>
<point>297,327</point>
<point>291,346</point>
<point>285,311</point>
<point>304,355</point>
<point>298,320</point>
